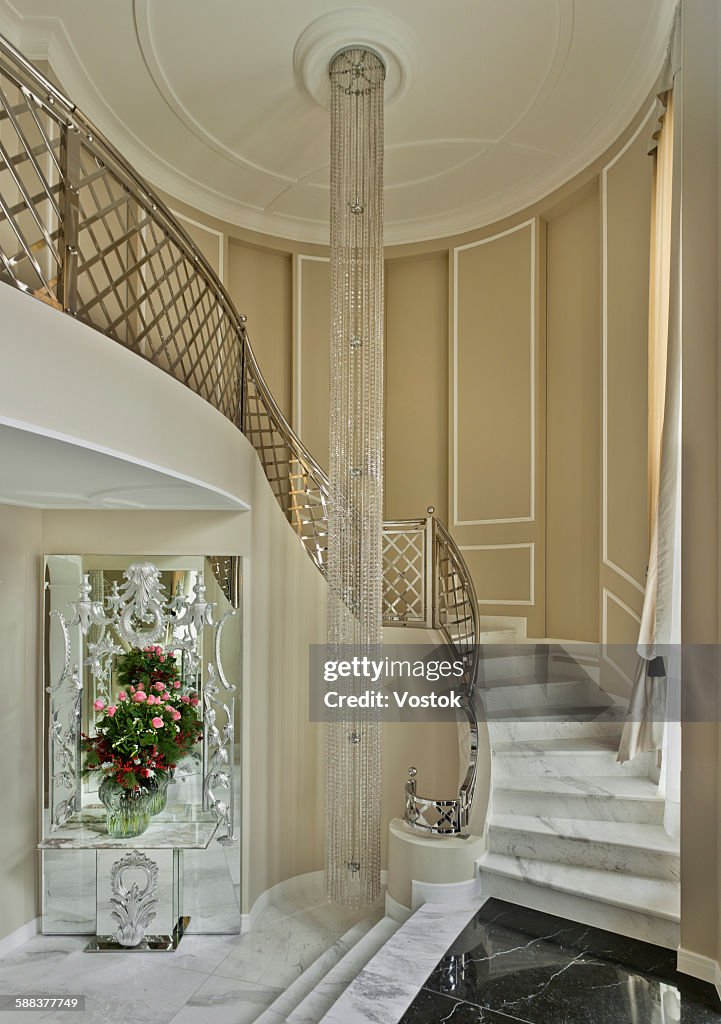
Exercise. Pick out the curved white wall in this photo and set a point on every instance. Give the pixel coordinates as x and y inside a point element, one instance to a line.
<point>66,382</point>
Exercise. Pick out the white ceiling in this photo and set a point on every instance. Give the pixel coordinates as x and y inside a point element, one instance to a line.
<point>38,471</point>
<point>508,99</point>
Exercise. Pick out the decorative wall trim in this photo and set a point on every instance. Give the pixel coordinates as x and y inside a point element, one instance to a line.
<point>211,231</point>
<point>289,885</point>
<point>446,893</point>
<point>296,398</point>
<point>19,936</point>
<point>608,595</point>
<point>698,966</point>
<point>532,354</point>
<point>530,545</point>
<point>395,910</point>
<point>607,561</point>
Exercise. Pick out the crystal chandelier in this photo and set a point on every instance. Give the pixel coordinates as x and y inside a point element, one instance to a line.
<point>355,570</point>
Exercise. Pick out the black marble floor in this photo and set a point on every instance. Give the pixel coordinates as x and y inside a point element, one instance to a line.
<point>511,964</point>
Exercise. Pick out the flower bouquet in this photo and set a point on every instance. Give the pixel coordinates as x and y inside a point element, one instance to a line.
<point>140,739</point>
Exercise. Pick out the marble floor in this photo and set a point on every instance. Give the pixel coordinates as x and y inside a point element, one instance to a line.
<point>209,979</point>
<point>512,965</point>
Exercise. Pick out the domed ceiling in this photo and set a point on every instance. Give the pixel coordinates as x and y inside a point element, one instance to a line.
<point>494,102</point>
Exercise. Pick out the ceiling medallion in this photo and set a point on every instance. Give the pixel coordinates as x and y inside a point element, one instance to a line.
<point>370,29</point>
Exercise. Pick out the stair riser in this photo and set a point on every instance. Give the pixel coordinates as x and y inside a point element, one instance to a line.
<point>535,695</point>
<point>586,808</point>
<point>506,732</point>
<point>632,923</point>
<point>627,860</point>
<point>494,667</point>
<point>563,765</point>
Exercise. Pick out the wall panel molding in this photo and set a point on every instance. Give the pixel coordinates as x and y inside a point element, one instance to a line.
<point>297,405</point>
<point>530,547</point>
<point>531,516</point>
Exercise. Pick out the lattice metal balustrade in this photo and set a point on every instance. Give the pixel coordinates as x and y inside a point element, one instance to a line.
<point>80,230</point>
<point>405,583</point>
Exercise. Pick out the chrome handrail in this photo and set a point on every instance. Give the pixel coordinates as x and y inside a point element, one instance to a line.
<point>82,231</point>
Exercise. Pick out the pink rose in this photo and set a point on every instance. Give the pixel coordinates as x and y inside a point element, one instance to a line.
<point>139,697</point>
<point>194,702</point>
<point>158,686</point>
<point>157,723</point>
<point>176,684</point>
<point>111,710</point>
<point>122,695</point>
<point>185,699</point>
<point>132,689</point>
<point>165,696</point>
<point>176,716</point>
<point>99,704</point>
<point>161,657</point>
<point>141,686</point>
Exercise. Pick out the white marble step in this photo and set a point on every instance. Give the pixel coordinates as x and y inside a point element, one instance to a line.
<point>387,985</point>
<point>318,1000</point>
<point>312,976</point>
<point>499,662</point>
<point>531,695</point>
<point>625,848</point>
<point>610,798</point>
<point>558,723</point>
<point>586,757</point>
<point>639,907</point>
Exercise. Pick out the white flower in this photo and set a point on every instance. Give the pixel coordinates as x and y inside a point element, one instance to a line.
<point>107,764</point>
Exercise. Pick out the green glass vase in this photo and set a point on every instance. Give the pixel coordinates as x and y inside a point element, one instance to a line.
<point>159,792</point>
<point>127,811</point>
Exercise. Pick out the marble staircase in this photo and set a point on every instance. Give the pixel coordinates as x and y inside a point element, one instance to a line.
<point>570,831</point>
<point>310,996</point>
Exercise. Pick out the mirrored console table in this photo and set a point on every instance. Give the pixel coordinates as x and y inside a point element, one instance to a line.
<point>139,890</point>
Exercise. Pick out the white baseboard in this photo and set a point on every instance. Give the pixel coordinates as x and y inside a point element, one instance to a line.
<point>281,889</point>
<point>19,936</point>
<point>397,911</point>
<point>447,893</point>
<point>698,966</point>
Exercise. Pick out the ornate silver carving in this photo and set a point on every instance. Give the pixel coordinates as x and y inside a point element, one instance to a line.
<point>218,740</point>
<point>65,696</point>
<point>134,906</point>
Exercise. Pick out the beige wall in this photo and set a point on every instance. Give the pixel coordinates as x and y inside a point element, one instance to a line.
<point>626,183</point>
<point>20,615</point>
<point>259,283</point>
<point>416,429</point>
<point>574,401</point>
<point>311,353</point>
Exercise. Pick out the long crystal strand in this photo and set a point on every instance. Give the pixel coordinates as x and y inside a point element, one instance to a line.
<point>353,749</point>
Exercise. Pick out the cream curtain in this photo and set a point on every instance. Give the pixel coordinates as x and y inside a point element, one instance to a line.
<point>660,620</point>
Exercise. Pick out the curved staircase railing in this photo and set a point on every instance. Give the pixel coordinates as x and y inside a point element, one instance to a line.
<point>81,231</point>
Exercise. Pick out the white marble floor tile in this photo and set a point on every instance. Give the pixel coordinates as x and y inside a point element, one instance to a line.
<point>222,1000</point>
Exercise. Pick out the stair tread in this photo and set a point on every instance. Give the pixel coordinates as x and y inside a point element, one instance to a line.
<point>304,984</point>
<point>576,745</point>
<point>324,994</point>
<point>655,897</point>
<point>626,787</point>
<point>623,833</point>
